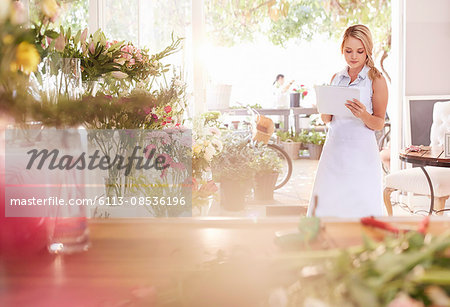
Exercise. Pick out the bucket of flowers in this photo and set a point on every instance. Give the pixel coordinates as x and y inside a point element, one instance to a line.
<point>298,93</point>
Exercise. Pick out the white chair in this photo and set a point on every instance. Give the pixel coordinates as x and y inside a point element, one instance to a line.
<point>413,179</point>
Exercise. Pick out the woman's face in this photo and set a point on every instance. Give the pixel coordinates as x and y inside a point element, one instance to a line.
<point>281,80</point>
<point>354,52</point>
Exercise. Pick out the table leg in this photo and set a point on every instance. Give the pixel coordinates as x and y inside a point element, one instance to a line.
<point>297,122</point>
<point>286,122</point>
<point>431,190</point>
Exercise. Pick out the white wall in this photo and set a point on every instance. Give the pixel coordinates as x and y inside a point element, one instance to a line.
<point>427,51</point>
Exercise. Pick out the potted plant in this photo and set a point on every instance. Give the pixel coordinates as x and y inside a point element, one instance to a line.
<point>291,142</point>
<point>267,166</point>
<point>231,168</point>
<point>298,93</point>
<point>315,141</point>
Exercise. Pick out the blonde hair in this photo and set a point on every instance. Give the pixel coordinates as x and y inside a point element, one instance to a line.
<point>362,33</point>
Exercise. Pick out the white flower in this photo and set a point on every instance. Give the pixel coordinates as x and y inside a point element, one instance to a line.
<point>214,131</point>
<point>4,9</point>
<point>119,75</point>
<point>210,151</point>
<point>120,61</point>
<point>278,298</point>
<point>217,143</point>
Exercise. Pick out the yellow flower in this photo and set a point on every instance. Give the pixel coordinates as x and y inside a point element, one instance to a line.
<point>8,39</point>
<point>27,58</point>
<point>50,8</point>
<point>197,148</point>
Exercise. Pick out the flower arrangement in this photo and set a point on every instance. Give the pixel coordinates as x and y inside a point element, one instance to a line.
<point>233,162</point>
<point>300,89</point>
<point>18,55</point>
<point>206,145</point>
<point>201,191</point>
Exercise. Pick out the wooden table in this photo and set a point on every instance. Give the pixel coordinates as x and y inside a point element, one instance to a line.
<point>285,113</point>
<point>130,258</point>
<point>427,156</point>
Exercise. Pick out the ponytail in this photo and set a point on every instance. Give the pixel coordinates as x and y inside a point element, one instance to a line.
<point>374,73</point>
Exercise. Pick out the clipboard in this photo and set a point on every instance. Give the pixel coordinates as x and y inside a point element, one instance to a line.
<point>332,99</point>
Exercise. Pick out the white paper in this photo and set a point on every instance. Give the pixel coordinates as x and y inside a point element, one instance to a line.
<point>332,99</point>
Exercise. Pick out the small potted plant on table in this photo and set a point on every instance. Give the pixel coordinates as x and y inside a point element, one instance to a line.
<point>315,141</point>
<point>231,168</point>
<point>267,166</point>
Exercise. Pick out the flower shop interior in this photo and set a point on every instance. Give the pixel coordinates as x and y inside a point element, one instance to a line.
<point>165,153</point>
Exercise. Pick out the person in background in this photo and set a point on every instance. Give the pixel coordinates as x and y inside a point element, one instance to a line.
<point>280,91</point>
<point>348,181</point>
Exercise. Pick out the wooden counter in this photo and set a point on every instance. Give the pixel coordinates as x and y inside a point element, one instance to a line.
<point>131,258</point>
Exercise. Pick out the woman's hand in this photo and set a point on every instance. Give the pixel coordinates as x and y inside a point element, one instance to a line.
<point>357,108</point>
<point>326,118</point>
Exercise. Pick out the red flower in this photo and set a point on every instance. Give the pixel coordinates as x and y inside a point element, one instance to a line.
<point>305,93</point>
<point>294,89</point>
<point>155,116</point>
<point>302,85</point>
<point>163,123</point>
<point>167,109</point>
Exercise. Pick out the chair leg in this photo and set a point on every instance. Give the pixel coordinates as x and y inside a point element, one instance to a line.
<point>439,203</point>
<point>387,200</point>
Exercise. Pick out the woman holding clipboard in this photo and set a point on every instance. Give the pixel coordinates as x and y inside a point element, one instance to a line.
<point>348,181</point>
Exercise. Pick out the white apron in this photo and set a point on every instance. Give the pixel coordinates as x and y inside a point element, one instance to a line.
<point>348,181</point>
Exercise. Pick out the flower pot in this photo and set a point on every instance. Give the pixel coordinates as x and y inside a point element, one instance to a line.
<point>232,194</point>
<point>265,185</point>
<point>292,148</point>
<point>295,100</point>
<point>315,151</point>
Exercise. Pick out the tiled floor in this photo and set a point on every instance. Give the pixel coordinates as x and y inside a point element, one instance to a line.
<point>297,193</point>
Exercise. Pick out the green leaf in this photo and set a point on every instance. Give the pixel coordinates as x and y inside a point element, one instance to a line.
<point>52,34</point>
<point>310,227</point>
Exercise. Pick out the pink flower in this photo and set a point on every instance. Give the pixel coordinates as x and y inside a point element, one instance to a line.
<point>302,85</point>
<point>167,109</point>
<point>18,14</point>
<point>149,149</point>
<point>403,300</point>
<point>83,36</point>
<point>132,62</point>
<point>155,117</point>
<point>92,48</point>
<point>147,110</point>
<point>60,43</point>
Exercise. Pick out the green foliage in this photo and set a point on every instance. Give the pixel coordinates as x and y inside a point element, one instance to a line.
<point>266,160</point>
<point>317,138</point>
<point>253,106</point>
<point>234,160</point>
<point>232,22</point>
<point>211,119</point>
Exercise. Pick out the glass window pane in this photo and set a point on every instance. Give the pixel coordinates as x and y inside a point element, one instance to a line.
<point>120,20</point>
<point>74,14</point>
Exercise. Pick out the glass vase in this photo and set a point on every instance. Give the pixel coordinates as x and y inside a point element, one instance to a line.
<point>62,79</point>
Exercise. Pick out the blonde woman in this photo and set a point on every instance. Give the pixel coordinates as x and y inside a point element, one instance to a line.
<point>348,181</point>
